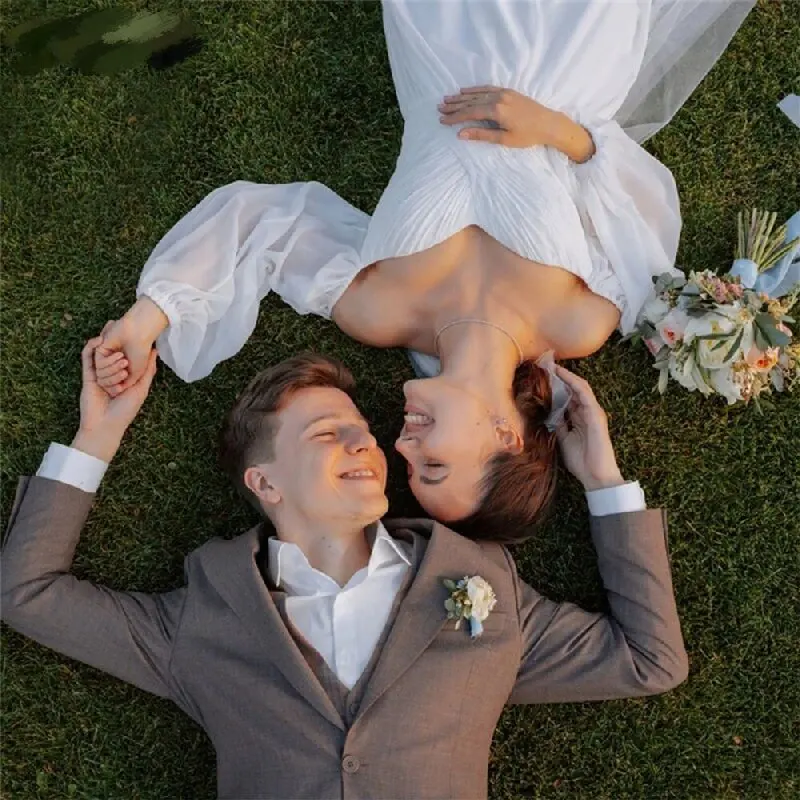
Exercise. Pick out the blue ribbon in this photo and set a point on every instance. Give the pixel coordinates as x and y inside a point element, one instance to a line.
<point>781,277</point>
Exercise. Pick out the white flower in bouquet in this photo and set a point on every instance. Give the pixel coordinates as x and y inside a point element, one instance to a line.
<point>672,327</point>
<point>683,369</point>
<point>724,382</point>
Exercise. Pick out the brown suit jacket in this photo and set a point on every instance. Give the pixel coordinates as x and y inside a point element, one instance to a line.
<point>219,649</point>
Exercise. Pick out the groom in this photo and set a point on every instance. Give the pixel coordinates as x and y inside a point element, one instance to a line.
<point>321,662</point>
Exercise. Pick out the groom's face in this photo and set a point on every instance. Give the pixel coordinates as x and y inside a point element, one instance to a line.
<point>327,464</point>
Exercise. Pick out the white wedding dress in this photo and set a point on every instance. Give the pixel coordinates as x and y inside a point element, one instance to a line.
<point>619,67</point>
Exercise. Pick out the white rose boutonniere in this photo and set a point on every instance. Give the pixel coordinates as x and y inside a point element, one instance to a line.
<point>471,599</point>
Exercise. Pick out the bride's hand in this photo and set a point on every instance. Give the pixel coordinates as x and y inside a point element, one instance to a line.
<point>519,121</point>
<point>124,354</point>
<point>584,438</point>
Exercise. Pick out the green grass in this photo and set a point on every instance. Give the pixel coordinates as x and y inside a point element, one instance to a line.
<point>95,171</point>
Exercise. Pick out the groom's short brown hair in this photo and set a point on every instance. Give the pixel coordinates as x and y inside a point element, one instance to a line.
<point>247,437</point>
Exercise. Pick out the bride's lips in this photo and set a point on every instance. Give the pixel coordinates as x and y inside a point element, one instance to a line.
<point>415,420</point>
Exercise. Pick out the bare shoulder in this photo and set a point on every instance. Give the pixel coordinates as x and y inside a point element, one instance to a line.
<point>583,326</point>
<point>373,313</point>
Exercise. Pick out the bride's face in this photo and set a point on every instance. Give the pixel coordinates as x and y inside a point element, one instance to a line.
<point>448,437</point>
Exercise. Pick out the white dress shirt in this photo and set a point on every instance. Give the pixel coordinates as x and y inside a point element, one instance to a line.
<point>343,623</point>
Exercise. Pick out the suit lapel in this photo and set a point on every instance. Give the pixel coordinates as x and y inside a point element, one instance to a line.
<point>422,613</point>
<point>233,569</point>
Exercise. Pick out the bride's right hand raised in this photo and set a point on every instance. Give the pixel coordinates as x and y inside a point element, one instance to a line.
<point>123,356</point>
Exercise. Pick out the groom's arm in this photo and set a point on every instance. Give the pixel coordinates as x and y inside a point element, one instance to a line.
<point>128,634</point>
<point>636,649</point>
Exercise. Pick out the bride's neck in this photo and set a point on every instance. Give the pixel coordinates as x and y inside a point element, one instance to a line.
<point>481,358</point>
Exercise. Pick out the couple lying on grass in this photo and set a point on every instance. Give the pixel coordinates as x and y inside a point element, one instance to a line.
<point>330,652</point>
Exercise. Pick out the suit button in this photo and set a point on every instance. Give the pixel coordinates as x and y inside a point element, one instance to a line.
<point>350,764</point>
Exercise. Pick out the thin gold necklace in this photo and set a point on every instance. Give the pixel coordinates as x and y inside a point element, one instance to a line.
<point>479,322</point>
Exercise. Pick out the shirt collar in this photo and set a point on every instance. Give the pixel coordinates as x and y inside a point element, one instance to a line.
<point>386,550</point>
<point>289,568</point>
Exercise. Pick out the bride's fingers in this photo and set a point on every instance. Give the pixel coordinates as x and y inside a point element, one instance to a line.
<point>469,114</point>
<point>493,135</point>
<point>114,369</point>
<point>103,359</point>
<point>479,89</point>
<point>449,106</point>
<point>114,379</point>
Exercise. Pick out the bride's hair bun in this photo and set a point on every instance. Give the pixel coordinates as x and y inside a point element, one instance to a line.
<point>532,396</point>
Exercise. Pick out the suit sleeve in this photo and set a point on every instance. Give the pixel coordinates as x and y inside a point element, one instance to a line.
<point>636,649</point>
<point>127,634</point>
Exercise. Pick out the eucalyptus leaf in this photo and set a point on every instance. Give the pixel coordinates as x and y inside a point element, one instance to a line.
<point>734,347</point>
<point>770,330</point>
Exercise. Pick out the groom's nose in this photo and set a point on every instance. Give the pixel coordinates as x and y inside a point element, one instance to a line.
<point>359,440</point>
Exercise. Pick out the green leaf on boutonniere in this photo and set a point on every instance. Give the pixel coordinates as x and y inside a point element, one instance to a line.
<point>449,584</point>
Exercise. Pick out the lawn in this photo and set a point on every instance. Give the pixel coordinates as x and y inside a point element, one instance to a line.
<point>95,171</point>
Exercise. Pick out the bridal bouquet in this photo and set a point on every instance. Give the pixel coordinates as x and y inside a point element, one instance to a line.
<point>731,334</point>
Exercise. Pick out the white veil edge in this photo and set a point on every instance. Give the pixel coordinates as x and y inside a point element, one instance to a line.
<point>686,38</point>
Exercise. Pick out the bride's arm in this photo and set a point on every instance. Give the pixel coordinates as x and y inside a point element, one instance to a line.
<point>627,199</point>
<point>200,290</point>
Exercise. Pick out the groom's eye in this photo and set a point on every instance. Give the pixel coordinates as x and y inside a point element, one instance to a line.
<point>325,436</point>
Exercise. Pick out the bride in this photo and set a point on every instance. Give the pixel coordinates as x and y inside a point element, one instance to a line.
<point>522,218</point>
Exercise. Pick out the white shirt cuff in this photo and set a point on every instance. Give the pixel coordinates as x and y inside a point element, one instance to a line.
<point>71,466</point>
<point>616,500</point>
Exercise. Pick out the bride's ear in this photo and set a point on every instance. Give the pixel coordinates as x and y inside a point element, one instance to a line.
<point>509,439</point>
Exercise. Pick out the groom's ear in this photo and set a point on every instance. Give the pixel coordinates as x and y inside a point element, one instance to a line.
<point>257,481</point>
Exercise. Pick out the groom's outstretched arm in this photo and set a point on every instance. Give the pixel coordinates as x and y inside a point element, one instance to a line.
<point>569,654</point>
<point>128,634</point>
<point>635,649</point>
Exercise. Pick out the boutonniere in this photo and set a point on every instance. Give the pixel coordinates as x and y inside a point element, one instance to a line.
<point>471,599</point>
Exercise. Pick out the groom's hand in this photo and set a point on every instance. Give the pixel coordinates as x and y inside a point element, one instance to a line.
<point>584,438</point>
<point>104,420</point>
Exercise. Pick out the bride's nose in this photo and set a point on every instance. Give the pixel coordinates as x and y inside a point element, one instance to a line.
<point>404,446</point>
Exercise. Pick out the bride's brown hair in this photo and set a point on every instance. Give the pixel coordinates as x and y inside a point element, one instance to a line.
<point>517,488</point>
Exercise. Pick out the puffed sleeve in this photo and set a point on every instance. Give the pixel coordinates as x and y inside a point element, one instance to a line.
<point>213,268</point>
<point>631,212</point>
